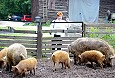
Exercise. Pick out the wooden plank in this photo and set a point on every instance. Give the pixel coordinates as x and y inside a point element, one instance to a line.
<point>60,38</point>
<point>18,41</point>
<point>25,31</point>
<point>100,32</point>
<point>100,25</point>
<point>57,42</point>
<point>18,37</point>
<point>54,46</point>
<point>26,45</point>
<point>62,31</point>
<point>51,51</point>
<point>48,55</point>
<point>32,50</point>
<point>29,49</point>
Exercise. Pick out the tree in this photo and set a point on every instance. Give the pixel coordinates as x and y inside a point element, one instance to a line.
<point>9,7</point>
<point>35,8</point>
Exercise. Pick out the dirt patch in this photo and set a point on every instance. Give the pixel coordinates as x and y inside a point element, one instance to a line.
<point>44,70</point>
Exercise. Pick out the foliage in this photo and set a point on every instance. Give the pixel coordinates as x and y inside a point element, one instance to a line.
<point>30,24</point>
<point>9,7</point>
<point>112,21</point>
<point>47,23</point>
<point>110,38</point>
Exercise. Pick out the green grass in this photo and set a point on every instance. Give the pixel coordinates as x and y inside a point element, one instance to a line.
<point>112,21</point>
<point>19,34</point>
<point>3,27</point>
<point>34,28</point>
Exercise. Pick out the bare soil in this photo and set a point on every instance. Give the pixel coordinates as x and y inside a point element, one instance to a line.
<point>44,70</point>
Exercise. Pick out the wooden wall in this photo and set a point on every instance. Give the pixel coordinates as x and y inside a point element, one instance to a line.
<point>106,5</point>
<point>50,14</point>
<point>62,5</point>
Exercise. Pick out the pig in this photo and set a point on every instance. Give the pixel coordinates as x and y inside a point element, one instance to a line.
<point>62,57</point>
<point>16,53</point>
<point>92,56</point>
<point>83,44</point>
<point>3,53</point>
<point>23,66</point>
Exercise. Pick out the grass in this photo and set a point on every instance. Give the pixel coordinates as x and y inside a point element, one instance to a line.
<point>33,28</point>
<point>19,34</point>
<point>112,21</point>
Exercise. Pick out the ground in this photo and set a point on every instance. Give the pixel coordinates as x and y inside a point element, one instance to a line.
<point>44,70</point>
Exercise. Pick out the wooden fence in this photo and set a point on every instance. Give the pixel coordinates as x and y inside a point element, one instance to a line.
<point>30,39</point>
<point>64,41</point>
<point>26,37</point>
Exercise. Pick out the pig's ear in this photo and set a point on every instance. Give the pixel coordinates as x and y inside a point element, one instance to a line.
<point>103,56</point>
<point>79,56</point>
<point>13,68</point>
<point>4,58</point>
<point>22,56</point>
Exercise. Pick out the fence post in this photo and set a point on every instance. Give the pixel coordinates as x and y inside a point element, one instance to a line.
<point>39,37</point>
<point>83,29</point>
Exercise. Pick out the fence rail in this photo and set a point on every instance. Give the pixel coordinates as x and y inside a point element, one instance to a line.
<point>104,31</point>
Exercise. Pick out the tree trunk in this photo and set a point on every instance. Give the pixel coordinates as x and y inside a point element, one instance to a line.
<point>35,9</point>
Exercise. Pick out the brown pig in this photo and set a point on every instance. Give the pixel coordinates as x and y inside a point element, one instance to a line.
<point>3,53</point>
<point>92,56</point>
<point>84,44</point>
<point>23,66</point>
<point>16,53</point>
<point>61,57</point>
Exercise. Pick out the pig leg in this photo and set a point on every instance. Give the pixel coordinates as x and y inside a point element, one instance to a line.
<point>30,71</point>
<point>62,65</point>
<point>109,64</point>
<point>23,73</point>
<point>67,64</point>
<point>34,70</point>
<point>93,65</point>
<point>75,59</point>
<point>54,67</point>
<point>14,76</point>
<point>7,67</point>
<point>101,64</point>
